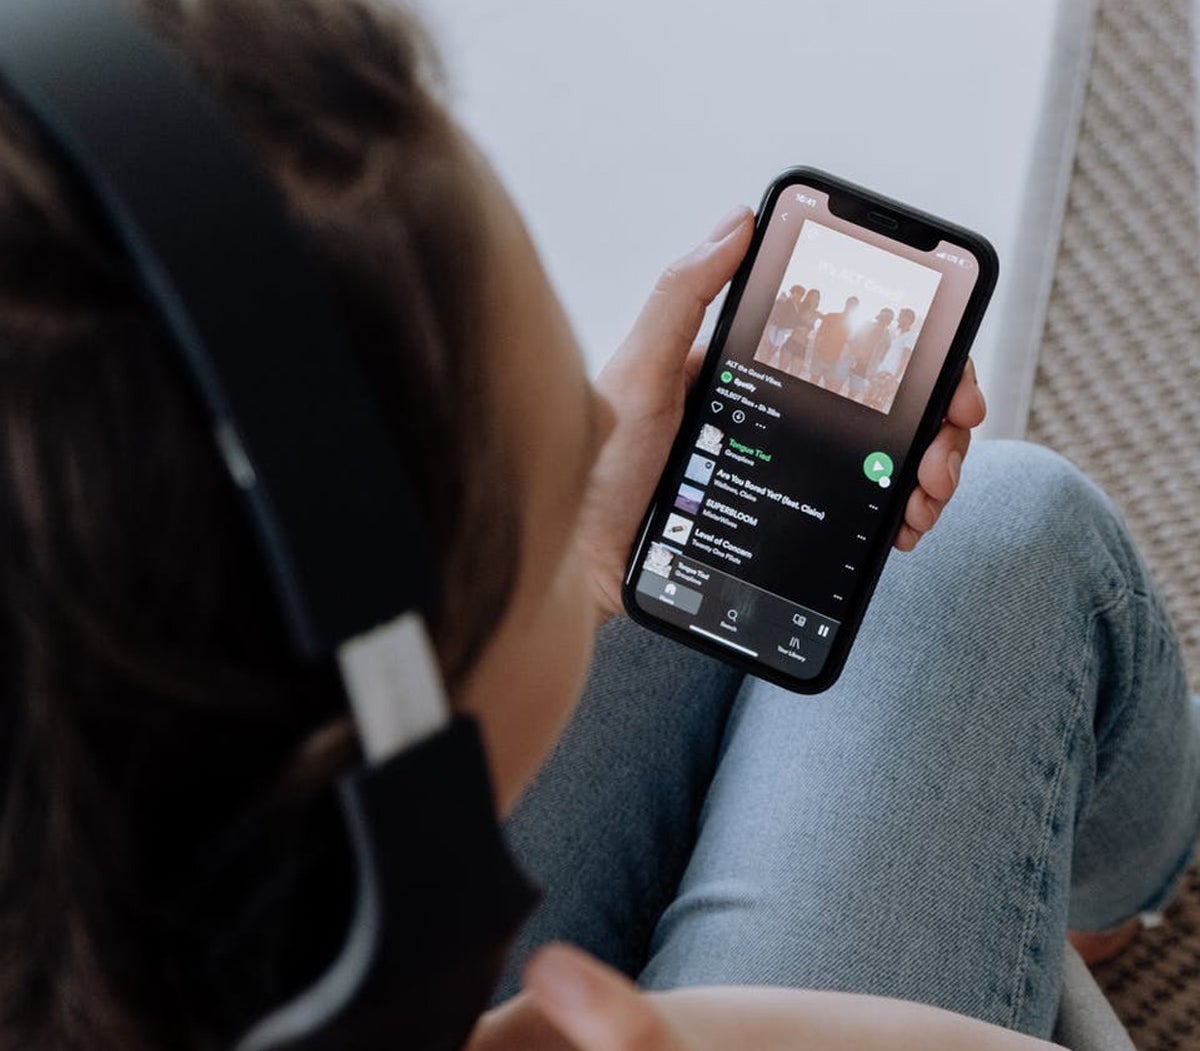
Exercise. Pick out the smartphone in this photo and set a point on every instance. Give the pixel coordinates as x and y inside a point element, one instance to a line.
<point>834,358</point>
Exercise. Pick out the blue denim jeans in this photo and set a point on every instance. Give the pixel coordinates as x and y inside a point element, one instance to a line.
<point>1010,751</point>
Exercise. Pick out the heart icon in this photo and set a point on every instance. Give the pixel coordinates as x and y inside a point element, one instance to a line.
<point>717,406</point>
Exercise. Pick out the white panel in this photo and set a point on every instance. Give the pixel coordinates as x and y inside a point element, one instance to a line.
<point>625,130</point>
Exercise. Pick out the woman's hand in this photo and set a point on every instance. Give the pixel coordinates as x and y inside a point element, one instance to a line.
<point>646,382</point>
<point>937,476</point>
<point>574,1003</point>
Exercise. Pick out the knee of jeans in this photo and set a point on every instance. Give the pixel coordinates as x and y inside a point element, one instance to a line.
<point>1042,510</point>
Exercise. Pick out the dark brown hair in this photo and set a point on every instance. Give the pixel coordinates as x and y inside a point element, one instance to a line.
<point>164,760</point>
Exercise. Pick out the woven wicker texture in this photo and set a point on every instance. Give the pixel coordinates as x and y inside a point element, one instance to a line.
<point>1154,986</point>
<point>1118,388</point>
<point>1118,384</point>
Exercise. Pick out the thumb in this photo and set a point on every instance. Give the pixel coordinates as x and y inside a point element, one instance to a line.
<point>593,1006</point>
<point>660,339</point>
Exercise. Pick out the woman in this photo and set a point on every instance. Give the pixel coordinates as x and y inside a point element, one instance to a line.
<point>777,332</point>
<point>797,346</point>
<point>169,864</point>
<point>830,364</point>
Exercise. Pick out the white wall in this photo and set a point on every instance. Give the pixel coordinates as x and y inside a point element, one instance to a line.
<point>625,130</point>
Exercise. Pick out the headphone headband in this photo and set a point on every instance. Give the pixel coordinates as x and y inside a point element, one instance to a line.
<point>318,468</point>
<point>319,471</point>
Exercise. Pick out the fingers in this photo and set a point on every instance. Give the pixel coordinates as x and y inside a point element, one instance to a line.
<point>907,538</point>
<point>593,1006</point>
<point>937,478</point>
<point>921,513</point>
<point>967,407</point>
<point>942,463</point>
<point>667,326</point>
<point>517,1023</point>
<point>938,473</point>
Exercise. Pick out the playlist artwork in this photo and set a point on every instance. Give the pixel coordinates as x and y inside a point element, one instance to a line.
<point>848,316</point>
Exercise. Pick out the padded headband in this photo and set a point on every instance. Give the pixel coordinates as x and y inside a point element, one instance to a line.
<point>322,477</point>
<point>233,281</point>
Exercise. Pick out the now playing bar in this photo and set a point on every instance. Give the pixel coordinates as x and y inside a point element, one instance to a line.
<point>739,616</point>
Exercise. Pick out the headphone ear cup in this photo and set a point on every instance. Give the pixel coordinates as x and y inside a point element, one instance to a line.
<point>324,485</point>
<point>438,898</point>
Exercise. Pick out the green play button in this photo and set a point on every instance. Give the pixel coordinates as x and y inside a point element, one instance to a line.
<point>878,467</point>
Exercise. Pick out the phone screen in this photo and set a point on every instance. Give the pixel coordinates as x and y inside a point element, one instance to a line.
<point>764,532</point>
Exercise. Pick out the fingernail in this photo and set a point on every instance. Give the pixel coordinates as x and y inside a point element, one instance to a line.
<point>978,388</point>
<point>954,462</point>
<point>557,976</point>
<point>727,225</point>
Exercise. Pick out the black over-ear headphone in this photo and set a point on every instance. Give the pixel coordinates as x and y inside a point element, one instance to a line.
<point>320,475</point>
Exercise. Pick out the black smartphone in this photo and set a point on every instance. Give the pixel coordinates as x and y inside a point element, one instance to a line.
<point>834,358</point>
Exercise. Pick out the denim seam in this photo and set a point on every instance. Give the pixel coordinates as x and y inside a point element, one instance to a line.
<point>1053,802</point>
<point>1155,606</point>
<point>1152,607</point>
<point>1153,610</point>
<point>1116,764</point>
